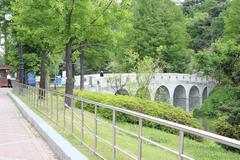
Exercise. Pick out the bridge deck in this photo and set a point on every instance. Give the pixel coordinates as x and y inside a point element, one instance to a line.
<point>18,140</point>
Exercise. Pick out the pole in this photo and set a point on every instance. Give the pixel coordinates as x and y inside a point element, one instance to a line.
<point>21,66</point>
<point>81,66</point>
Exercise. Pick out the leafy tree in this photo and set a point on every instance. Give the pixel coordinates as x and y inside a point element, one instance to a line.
<point>35,26</point>
<point>205,22</point>
<point>87,26</point>
<point>232,22</point>
<point>223,62</point>
<point>5,16</point>
<point>159,24</point>
<point>2,60</point>
<point>5,30</point>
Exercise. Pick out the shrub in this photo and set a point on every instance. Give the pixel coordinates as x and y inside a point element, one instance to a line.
<point>224,128</point>
<point>223,106</point>
<point>221,99</point>
<point>160,110</point>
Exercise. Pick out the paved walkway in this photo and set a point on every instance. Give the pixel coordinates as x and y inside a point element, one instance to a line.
<point>18,139</point>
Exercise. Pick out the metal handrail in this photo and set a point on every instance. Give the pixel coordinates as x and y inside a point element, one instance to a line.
<point>181,128</point>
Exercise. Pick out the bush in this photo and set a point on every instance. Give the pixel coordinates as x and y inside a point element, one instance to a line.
<point>223,106</point>
<point>220,102</point>
<point>160,110</point>
<point>224,128</point>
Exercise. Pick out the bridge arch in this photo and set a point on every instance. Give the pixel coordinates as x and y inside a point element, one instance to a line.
<point>122,91</point>
<point>194,97</point>
<point>179,97</point>
<point>204,94</point>
<point>162,94</point>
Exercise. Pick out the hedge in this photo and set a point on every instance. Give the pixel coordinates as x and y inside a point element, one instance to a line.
<point>160,110</point>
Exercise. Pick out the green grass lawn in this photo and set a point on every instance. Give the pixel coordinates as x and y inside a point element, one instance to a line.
<point>206,150</point>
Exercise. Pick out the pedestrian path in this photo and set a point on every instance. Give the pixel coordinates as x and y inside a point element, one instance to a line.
<point>18,139</point>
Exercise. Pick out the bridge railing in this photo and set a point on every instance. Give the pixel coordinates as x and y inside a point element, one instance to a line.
<point>61,109</point>
<point>94,79</point>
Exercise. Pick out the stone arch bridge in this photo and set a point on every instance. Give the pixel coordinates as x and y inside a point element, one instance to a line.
<point>183,90</point>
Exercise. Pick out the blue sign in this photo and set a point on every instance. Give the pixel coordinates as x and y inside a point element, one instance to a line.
<point>58,81</point>
<point>31,79</point>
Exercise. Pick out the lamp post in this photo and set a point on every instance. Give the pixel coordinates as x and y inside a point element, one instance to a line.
<point>8,17</point>
<point>21,64</point>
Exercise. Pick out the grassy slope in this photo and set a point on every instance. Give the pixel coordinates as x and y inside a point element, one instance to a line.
<point>204,151</point>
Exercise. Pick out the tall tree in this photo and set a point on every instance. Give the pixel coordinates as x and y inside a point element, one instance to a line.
<point>223,59</point>
<point>232,21</point>
<point>159,31</point>
<point>87,27</point>
<point>35,26</point>
<point>205,22</point>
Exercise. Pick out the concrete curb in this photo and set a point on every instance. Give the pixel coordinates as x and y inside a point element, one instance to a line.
<point>62,148</point>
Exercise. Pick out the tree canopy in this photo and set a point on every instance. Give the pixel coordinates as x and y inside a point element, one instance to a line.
<point>159,31</point>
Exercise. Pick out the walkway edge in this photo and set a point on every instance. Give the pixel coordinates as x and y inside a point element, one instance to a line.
<point>61,147</point>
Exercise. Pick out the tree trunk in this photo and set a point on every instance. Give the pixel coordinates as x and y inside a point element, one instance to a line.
<point>81,66</point>
<point>43,74</point>
<point>73,73</point>
<point>73,70</point>
<point>69,74</point>
<point>69,82</point>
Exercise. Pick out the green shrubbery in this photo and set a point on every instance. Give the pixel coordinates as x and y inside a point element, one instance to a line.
<point>160,110</point>
<point>220,102</point>
<point>223,105</point>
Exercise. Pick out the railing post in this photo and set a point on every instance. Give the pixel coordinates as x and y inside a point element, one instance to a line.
<point>181,145</point>
<point>40,100</point>
<point>64,112</point>
<point>72,115</point>
<point>95,129</point>
<point>34,96</point>
<point>28,94</point>
<point>82,124</point>
<point>140,139</point>
<point>57,106</point>
<point>46,98</point>
<point>113,135</point>
<point>51,94</point>
<point>37,97</point>
<point>31,95</point>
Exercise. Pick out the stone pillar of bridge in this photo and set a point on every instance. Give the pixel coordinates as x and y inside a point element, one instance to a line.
<point>188,88</point>
<point>200,102</point>
<point>171,93</point>
<point>187,104</point>
<point>171,100</point>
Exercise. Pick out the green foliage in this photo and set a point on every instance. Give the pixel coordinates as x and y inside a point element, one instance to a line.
<point>223,105</point>
<point>143,93</point>
<point>205,22</point>
<point>232,21</point>
<point>158,23</point>
<point>222,62</point>
<point>160,110</point>
<point>144,69</point>
<point>229,130</point>
<point>2,60</point>
<point>34,23</point>
<point>220,100</point>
